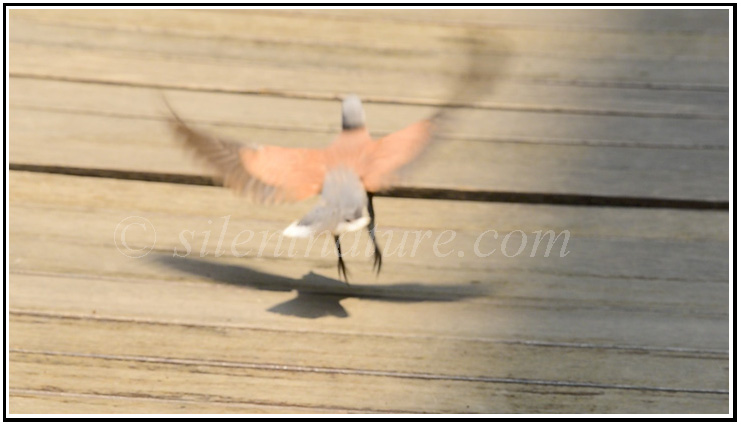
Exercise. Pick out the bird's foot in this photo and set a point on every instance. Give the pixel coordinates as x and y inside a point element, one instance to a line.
<point>342,270</point>
<point>377,258</point>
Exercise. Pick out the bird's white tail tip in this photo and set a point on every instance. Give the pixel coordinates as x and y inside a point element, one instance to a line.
<point>295,230</point>
<point>353,226</point>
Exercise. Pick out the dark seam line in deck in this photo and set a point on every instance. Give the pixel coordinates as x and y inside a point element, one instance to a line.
<point>210,401</point>
<point>687,87</point>
<point>163,323</point>
<point>412,192</point>
<point>390,101</point>
<point>363,372</point>
<point>566,142</point>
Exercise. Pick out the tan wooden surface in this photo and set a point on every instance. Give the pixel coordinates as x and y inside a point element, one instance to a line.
<point>576,106</point>
<point>634,319</point>
<point>78,118</point>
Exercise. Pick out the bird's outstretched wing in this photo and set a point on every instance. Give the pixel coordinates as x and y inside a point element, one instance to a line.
<point>266,174</point>
<point>384,157</point>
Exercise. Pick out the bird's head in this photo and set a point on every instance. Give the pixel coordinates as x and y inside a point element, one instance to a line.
<point>353,116</point>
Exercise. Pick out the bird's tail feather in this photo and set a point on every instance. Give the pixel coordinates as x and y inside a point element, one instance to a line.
<point>342,208</point>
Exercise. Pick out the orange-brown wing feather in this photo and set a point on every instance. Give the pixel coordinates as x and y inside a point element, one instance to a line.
<point>265,174</point>
<point>297,173</point>
<point>384,157</point>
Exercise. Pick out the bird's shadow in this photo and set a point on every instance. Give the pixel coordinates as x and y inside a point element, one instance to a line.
<point>317,296</point>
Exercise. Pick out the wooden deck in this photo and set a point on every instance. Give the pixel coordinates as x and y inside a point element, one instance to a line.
<point>612,105</point>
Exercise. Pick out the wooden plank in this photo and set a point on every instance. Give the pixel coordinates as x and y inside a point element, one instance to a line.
<point>146,144</point>
<point>322,116</point>
<point>458,326</point>
<point>579,253</point>
<point>34,401</point>
<point>268,291</point>
<point>710,230</point>
<point>63,193</point>
<point>535,75</point>
<point>527,99</point>
<point>641,296</point>
<point>412,356</point>
<point>604,20</point>
<point>334,391</point>
<point>385,33</point>
<point>618,123</point>
<point>102,67</point>
<point>577,298</point>
<point>418,82</point>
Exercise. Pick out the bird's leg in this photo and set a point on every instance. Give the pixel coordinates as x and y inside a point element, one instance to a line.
<point>377,257</point>
<point>341,270</point>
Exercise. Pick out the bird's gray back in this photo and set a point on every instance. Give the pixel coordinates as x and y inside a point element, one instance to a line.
<point>343,200</point>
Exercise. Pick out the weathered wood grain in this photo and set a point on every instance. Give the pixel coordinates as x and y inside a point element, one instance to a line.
<point>408,247</point>
<point>370,354</point>
<point>537,308</point>
<point>64,193</point>
<point>34,401</point>
<point>621,20</point>
<point>530,298</point>
<point>625,103</point>
<point>237,75</point>
<point>534,127</point>
<point>146,144</point>
<point>522,120</point>
<point>519,78</point>
<point>335,391</point>
<point>314,29</point>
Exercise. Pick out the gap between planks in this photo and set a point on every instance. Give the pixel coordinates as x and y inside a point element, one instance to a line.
<point>410,192</point>
<point>319,130</point>
<point>384,100</point>
<point>149,321</point>
<point>161,399</point>
<point>363,372</point>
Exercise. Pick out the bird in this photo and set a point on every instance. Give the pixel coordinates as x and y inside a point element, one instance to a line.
<point>346,174</point>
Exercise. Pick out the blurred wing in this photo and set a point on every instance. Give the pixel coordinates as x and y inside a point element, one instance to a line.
<point>384,157</point>
<point>266,174</point>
